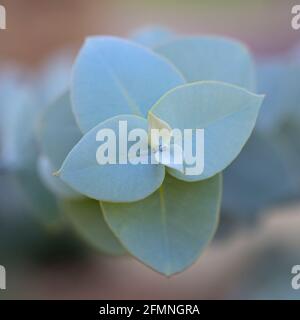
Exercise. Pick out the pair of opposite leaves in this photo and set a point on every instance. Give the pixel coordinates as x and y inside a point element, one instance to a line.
<point>117,80</point>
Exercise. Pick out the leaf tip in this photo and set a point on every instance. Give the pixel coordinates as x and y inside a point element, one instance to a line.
<point>56,173</point>
<point>262,96</point>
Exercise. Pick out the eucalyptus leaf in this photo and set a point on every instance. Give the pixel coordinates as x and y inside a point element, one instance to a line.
<point>211,58</point>
<point>170,229</point>
<point>108,181</point>
<point>113,76</point>
<point>227,114</point>
<point>87,218</point>
<point>152,36</point>
<point>58,132</point>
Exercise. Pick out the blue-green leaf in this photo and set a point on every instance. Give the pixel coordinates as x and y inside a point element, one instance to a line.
<point>170,229</point>
<point>111,182</point>
<point>226,113</point>
<point>152,36</point>
<point>87,218</point>
<point>113,76</point>
<point>58,131</point>
<point>211,58</point>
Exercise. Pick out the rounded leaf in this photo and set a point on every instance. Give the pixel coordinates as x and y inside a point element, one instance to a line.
<point>226,113</point>
<point>211,58</point>
<point>113,76</point>
<point>111,182</point>
<point>170,229</point>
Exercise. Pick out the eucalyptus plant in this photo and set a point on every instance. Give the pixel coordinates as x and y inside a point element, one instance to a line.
<point>159,215</point>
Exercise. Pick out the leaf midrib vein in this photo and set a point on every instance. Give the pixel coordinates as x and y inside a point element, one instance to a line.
<point>135,109</point>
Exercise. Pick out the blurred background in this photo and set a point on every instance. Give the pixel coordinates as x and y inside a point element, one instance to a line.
<point>258,239</point>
